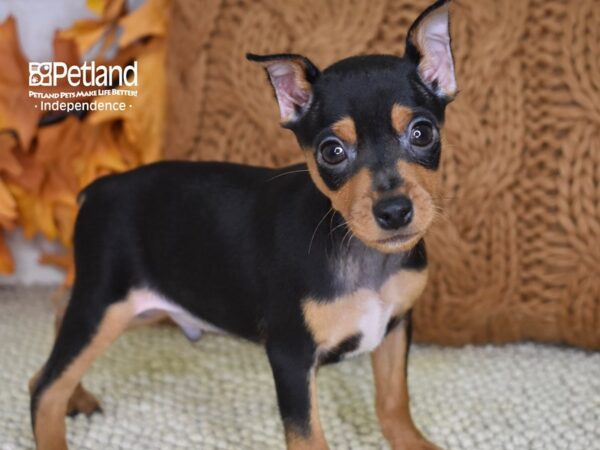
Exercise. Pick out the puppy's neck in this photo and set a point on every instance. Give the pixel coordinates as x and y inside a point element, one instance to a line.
<point>356,265</point>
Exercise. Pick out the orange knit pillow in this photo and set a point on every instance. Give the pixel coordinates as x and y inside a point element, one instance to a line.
<point>516,254</point>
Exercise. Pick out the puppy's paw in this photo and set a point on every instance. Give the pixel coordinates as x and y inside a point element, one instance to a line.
<point>82,402</point>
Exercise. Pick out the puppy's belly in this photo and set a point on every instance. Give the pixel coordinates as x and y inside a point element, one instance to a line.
<point>147,302</point>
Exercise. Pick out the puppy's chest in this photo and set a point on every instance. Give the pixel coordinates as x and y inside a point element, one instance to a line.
<point>357,322</point>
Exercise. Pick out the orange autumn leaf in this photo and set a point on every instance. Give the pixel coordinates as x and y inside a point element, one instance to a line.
<point>66,51</point>
<point>112,9</point>
<point>57,190</point>
<point>59,142</point>
<point>32,175</point>
<point>104,157</point>
<point>97,6</point>
<point>17,110</point>
<point>63,261</point>
<point>150,19</point>
<point>88,32</point>
<point>144,119</point>
<point>9,164</point>
<point>35,215</point>
<point>65,221</point>
<point>7,265</point>
<point>48,180</point>
<point>8,206</point>
<point>85,33</point>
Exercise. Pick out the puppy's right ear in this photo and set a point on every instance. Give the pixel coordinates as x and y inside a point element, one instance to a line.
<point>292,77</point>
<point>428,46</point>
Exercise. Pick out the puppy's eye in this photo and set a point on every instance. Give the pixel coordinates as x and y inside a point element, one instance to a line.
<point>333,152</point>
<point>421,134</point>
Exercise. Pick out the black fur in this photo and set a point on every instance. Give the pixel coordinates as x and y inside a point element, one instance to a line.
<point>346,346</point>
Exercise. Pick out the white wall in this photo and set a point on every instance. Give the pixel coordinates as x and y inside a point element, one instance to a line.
<point>26,254</point>
<point>38,19</point>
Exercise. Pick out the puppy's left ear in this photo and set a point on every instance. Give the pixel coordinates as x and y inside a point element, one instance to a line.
<point>428,46</point>
<point>292,77</point>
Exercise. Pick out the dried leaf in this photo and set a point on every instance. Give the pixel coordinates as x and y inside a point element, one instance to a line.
<point>143,120</point>
<point>85,33</point>
<point>150,19</point>
<point>88,32</point>
<point>9,164</point>
<point>97,6</point>
<point>7,265</point>
<point>63,261</point>
<point>65,49</point>
<point>8,206</point>
<point>17,110</point>
<point>58,142</point>
<point>31,176</point>
<point>113,9</point>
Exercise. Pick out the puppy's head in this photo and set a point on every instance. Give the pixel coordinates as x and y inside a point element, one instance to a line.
<point>370,127</point>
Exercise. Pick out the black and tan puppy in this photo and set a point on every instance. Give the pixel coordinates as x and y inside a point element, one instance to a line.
<point>318,262</point>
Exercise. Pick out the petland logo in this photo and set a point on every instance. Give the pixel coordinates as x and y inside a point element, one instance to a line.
<point>89,87</point>
<point>48,74</point>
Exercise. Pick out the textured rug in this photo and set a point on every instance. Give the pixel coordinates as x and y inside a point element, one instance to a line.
<point>161,392</point>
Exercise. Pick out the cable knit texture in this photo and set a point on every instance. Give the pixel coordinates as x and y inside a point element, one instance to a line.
<point>516,254</point>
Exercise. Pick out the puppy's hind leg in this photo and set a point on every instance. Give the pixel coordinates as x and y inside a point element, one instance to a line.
<point>89,326</point>
<point>81,401</point>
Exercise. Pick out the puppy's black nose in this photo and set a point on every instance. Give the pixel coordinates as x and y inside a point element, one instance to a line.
<point>393,213</point>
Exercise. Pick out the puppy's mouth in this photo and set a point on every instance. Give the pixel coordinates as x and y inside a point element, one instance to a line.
<point>399,238</point>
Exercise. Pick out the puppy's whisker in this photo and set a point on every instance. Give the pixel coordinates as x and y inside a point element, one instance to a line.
<point>316,228</point>
<point>344,223</point>
<point>348,233</point>
<point>350,241</point>
<point>286,173</point>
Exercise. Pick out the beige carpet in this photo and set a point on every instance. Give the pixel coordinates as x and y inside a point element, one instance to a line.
<point>161,392</point>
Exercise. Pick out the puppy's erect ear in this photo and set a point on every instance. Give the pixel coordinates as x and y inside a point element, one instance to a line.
<point>292,77</point>
<point>428,46</point>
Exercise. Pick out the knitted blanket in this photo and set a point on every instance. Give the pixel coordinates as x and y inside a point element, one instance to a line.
<point>516,254</point>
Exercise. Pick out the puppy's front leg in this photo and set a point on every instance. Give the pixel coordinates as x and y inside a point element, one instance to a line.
<point>294,371</point>
<point>392,401</point>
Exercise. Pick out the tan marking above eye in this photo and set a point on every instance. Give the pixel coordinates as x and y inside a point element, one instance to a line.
<point>345,130</point>
<point>400,117</point>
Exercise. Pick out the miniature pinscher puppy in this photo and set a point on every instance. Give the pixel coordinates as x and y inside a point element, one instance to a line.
<point>318,261</point>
